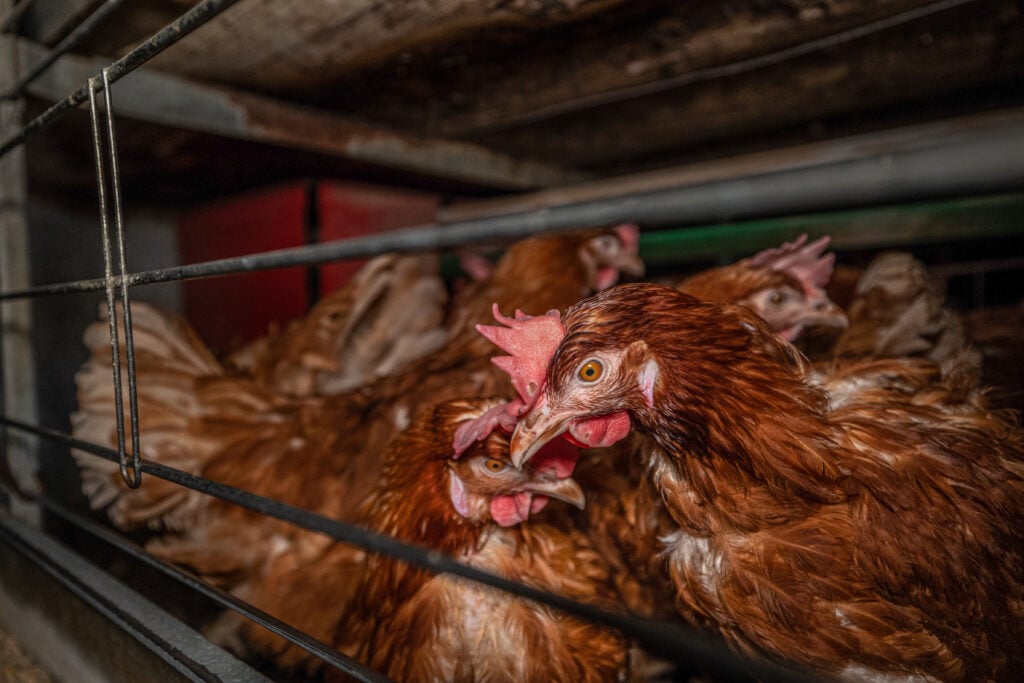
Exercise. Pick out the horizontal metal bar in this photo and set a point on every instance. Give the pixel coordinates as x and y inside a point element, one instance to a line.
<point>258,616</point>
<point>69,42</point>
<point>173,643</point>
<point>157,43</point>
<point>976,162</point>
<point>165,99</point>
<point>661,638</point>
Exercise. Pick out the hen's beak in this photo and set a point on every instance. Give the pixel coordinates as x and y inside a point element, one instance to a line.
<point>566,490</point>
<point>534,430</point>
<point>824,313</point>
<point>631,264</point>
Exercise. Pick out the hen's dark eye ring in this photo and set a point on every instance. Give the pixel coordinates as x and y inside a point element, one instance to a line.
<point>494,465</point>
<point>591,370</point>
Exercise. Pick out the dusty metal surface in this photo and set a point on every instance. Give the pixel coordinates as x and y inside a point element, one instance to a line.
<point>16,666</point>
<point>500,96</point>
<point>159,98</point>
<point>89,627</point>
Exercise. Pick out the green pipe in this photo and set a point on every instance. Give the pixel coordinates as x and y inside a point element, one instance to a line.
<point>976,218</point>
<point>874,228</point>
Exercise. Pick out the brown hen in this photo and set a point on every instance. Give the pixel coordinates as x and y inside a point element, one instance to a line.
<point>318,452</point>
<point>417,627</point>
<point>879,540</point>
<point>785,286</point>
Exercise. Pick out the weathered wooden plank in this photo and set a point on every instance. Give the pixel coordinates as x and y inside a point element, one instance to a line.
<point>149,95</point>
<point>305,44</point>
<point>667,42</point>
<point>604,82</point>
<point>956,52</point>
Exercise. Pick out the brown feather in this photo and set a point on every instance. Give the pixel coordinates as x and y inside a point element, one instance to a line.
<point>880,535</point>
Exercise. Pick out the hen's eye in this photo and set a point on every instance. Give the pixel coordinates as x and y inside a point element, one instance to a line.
<point>591,371</point>
<point>776,297</point>
<point>494,465</point>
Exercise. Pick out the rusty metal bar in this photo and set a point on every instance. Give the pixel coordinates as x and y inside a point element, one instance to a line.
<point>222,598</point>
<point>664,639</point>
<point>980,161</point>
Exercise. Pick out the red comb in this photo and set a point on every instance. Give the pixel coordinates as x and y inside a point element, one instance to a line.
<point>629,234</point>
<point>805,263</point>
<point>531,341</point>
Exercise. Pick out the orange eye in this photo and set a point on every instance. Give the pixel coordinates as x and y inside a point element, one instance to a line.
<point>591,371</point>
<point>494,465</point>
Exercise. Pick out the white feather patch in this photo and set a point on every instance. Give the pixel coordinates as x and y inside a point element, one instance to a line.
<point>647,377</point>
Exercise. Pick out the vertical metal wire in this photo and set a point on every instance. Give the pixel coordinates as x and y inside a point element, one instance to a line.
<point>130,472</point>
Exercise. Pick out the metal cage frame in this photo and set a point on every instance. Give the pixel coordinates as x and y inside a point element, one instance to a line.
<point>977,160</point>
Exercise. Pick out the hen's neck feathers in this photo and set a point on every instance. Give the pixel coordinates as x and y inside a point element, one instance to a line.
<point>746,442</point>
<point>414,505</point>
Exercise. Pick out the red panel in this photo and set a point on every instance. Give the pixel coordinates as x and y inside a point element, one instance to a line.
<point>233,309</point>
<point>348,210</point>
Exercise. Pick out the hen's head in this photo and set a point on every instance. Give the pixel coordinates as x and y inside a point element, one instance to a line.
<point>609,253</point>
<point>785,286</point>
<point>637,352</point>
<point>789,308</point>
<point>482,485</point>
<point>590,260</point>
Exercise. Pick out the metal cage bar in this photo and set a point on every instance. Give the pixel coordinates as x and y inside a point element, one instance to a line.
<point>222,598</point>
<point>662,638</point>
<point>130,472</point>
<point>986,162</point>
<point>157,43</point>
<point>980,162</point>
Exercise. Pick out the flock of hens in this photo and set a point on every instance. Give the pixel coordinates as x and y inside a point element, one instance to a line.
<point>850,507</point>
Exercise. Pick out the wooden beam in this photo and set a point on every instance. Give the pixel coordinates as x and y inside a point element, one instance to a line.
<point>149,95</point>
<point>307,44</point>
<point>976,46</point>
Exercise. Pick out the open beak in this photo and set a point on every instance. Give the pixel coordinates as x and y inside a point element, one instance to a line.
<point>534,430</point>
<point>565,490</point>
